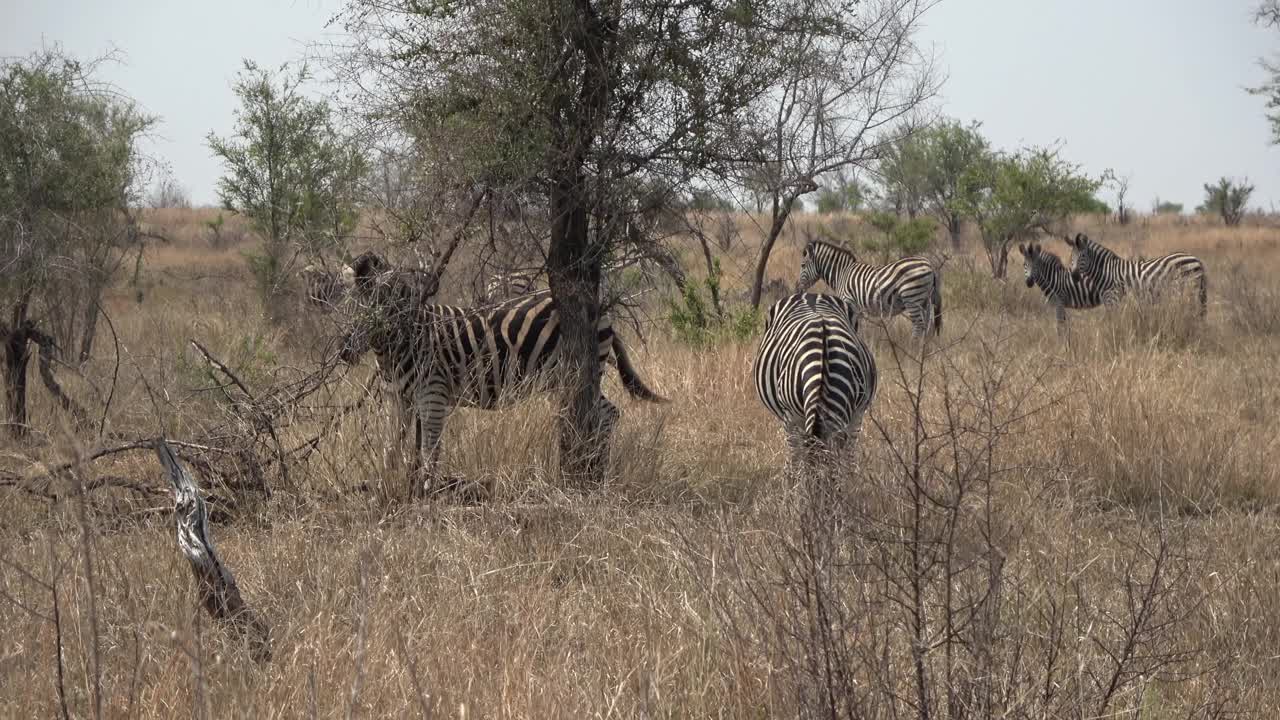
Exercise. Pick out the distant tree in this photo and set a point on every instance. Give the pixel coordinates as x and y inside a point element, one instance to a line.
<point>903,170</point>
<point>1120,186</point>
<point>849,75</point>
<point>70,174</point>
<point>1014,196</point>
<point>168,193</point>
<point>1160,207</point>
<point>1227,199</point>
<point>939,158</point>
<point>288,170</point>
<point>841,193</point>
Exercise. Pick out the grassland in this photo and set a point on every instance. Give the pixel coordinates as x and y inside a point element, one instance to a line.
<point>1036,524</point>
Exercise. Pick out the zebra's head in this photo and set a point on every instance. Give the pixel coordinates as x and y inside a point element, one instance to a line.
<point>1084,260</point>
<point>810,259</point>
<point>379,297</point>
<point>1029,253</point>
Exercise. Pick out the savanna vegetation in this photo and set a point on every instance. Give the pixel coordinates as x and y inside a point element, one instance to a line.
<point>1032,524</point>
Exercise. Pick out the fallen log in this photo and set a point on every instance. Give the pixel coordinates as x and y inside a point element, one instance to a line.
<point>216,586</point>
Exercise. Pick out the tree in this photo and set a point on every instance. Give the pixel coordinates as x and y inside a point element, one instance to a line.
<point>903,169</point>
<point>1161,207</point>
<point>577,109</point>
<point>1013,196</point>
<point>1227,199</point>
<point>70,172</point>
<point>167,192</point>
<point>1268,14</point>
<point>288,170</point>
<point>946,152</point>
<point>840,194</point>
<point>1120,185</point>
<point>847,75</point>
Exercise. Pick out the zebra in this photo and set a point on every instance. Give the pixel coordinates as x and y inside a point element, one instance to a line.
<point>438,357</point>
<point>813,372</point>
<point>1060,287</point>
<point>321,287</point>
<point>1116,276</point>
<point>909,285</point>
<point>503,286</point>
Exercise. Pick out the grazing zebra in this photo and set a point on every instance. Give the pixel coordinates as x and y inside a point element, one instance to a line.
<point>813,371</point>
<point>438,357</point>
<point>322,287</point>
<point>503,286</point>
<point>909,285</point>
<point>1060,287</point>
<point>1116,276</point>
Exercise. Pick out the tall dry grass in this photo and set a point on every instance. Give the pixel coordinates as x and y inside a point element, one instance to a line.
<point>1135,455</point>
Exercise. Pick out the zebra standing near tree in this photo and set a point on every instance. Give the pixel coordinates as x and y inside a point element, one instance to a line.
<point>1043,268</point>
<point>1115,276</point>
<point>814,373</point>
<point>438,357</point>
<point>909,285</point>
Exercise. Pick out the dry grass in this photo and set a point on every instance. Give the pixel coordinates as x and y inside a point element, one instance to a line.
<point>1138,424</point>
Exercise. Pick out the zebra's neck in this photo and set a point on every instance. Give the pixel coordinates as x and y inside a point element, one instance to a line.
<point>837,266</point>
<point>1049,275</point>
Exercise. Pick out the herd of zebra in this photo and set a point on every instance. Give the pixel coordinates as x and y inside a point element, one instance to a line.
<point>813,370</point>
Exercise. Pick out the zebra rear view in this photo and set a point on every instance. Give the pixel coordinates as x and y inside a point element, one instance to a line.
<point>438,357</point>
<point>910,285</point>
<point>813,371</point>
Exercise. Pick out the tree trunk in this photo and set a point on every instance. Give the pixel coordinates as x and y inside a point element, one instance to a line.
<point>954,226</point>
<point>17,354</point>
<point>573,270</point>
<point>998,254</point>
<point>781,211</point>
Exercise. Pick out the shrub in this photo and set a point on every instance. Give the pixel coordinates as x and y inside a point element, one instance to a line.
<point>702,321</point>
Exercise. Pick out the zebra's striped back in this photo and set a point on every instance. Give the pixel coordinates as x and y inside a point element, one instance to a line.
<point>813,371</point>
<point>1044,269</point>
<point>502,286</point>
<point>909,285</point>
<point>1116,276</point>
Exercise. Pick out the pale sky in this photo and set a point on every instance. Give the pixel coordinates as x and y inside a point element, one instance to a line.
<point>1152,88</point>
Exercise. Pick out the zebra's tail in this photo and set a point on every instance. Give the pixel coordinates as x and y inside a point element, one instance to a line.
<point>936,299</point>
<point>814,389</point>
<point>630,378</point>
<point>1204,293</point>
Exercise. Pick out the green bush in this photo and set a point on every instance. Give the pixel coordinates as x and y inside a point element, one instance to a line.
<point>897,237</point>
<point>699,319</point>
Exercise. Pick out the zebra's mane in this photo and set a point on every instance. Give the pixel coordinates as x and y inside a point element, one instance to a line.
<point>834,247</point>
<point>1101,250</point>
<point>1049,259</point>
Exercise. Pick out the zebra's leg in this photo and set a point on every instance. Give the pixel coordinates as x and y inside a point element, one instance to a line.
<point>608,413</point>
<point>1061,312</point>
<point>431,407</point>
<point>394,454</point>
<point>920,317</point>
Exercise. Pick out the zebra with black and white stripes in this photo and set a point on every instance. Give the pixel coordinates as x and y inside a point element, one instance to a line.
<point>813,371</point>
<point>1116,276</point>
<point>438,357</point>
<point>1044,269</point>
<point>909,285</point>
